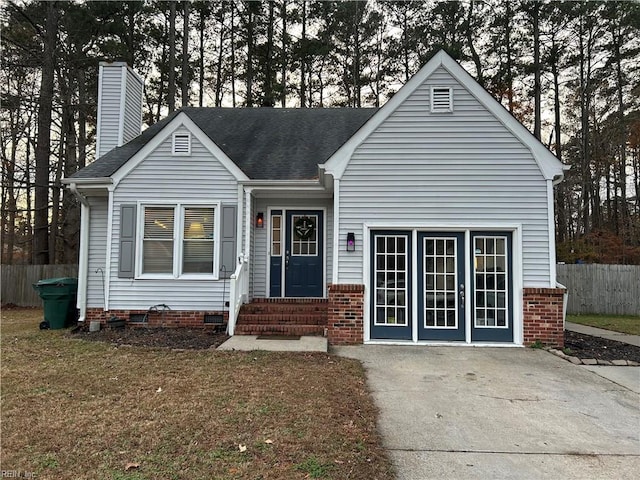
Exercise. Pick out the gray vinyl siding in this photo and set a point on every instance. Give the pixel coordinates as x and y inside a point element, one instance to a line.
<point>97,251</point>
<point>132,108</point>
<point>260,253</point>
<point>169,179</point>
<point>421,168</point>
<point>111,88</point>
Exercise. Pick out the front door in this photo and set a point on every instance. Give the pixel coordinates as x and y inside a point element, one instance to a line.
<point>300,263</point>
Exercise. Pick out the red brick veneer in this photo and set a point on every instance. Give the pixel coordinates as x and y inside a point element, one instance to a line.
<point>542,310</point>
<point>346,314</point>
<point>170,318</point>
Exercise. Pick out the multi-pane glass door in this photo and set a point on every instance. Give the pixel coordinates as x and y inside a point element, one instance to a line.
<point>492,300</point>
<point>437,301</point>
<point>441,288</point>
<point>391,276</point>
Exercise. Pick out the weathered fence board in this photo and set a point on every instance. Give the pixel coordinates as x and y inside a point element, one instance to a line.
<point>602,289</point>
<point>18,280</point>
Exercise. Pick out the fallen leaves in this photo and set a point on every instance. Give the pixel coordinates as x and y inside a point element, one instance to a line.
<point>131,466</point>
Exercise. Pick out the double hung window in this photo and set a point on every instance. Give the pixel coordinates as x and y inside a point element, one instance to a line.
<point>178,241</point>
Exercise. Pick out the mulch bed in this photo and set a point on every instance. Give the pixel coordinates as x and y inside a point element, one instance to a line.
<point>175,338</point>
<point>586,346</point>
<point>581,346</point>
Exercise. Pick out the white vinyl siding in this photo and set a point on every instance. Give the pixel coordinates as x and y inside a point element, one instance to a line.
<point>109,109</point>
<point>197,180</point>
<point>421,168</point>
<point>97,251</point>
<point>259,281</point>
<point>120,107</point>
<point>132,108</point>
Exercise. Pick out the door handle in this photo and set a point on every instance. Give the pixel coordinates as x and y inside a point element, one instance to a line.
<point>461,294</point>
<point>286,260</point>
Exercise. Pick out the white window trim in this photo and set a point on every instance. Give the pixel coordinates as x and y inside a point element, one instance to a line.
<point>441,110</point>
<point>173,144</point>
<point>178,236</point>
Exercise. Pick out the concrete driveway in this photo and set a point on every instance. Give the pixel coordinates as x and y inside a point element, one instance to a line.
<point>462,413</point>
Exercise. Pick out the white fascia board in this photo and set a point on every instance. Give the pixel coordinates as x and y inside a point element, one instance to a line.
<point>182,119</point>
<point>275,184</point>
<point>549,165</point>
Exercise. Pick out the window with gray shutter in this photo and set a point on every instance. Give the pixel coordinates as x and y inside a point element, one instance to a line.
<point>157,244</point>
<point>197,250</point>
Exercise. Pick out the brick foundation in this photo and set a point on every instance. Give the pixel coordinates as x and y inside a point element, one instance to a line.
<point>346,314</point>
<point>542,311</point>
<point>169,319</point>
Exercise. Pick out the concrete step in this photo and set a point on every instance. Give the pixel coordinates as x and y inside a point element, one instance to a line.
<point>275,329</point>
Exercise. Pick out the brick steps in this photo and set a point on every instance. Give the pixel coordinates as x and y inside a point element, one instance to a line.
<point>276,316</point>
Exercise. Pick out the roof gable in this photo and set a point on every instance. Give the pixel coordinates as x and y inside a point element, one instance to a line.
<point>549,165</point>
<point>262,143</point>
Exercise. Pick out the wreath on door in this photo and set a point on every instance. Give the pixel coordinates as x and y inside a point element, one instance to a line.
<point>305,228</point>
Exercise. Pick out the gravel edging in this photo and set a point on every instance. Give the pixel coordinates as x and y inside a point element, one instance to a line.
<point>592,361</point>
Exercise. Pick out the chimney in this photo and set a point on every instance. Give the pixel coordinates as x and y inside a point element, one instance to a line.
<point>119,106</point>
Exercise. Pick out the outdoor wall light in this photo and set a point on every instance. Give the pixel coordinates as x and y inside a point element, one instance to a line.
<point>351,242</point>
<point>260,220</point>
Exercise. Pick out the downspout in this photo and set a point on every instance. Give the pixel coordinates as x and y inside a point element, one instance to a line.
<point>83,261</point>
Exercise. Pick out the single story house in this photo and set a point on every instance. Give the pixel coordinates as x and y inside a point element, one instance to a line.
<point>427,221</point>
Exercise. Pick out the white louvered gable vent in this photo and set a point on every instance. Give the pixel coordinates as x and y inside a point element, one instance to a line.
<point>181,144</point>
<point>441,99</point>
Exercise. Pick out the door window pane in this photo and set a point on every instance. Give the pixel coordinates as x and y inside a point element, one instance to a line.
<point>391,274</point>
<point>440,280</point>
<point>490,275</point>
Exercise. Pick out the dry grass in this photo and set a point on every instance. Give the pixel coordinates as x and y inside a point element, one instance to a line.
<point>73,409</point>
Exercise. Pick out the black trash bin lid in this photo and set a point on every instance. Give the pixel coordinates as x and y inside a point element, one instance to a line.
<point>58,281</point>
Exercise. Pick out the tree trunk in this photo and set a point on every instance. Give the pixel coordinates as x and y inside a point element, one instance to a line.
<point>45,104</point>
<point>472,48</point>
<point>303,55</point>
<point>269,100</point>
<point>171,87</point>
<point>185,55</point>
<point>283,59</point>
<point>537,89</point>
<point>201,58</point>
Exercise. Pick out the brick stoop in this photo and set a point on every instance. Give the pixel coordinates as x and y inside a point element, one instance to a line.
<point>283,316</point>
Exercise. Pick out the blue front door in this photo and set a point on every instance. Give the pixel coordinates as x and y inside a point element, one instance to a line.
<point>303,259</point>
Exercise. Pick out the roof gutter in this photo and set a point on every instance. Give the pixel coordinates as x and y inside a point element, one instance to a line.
<point>87,181</point>
<point>83,260</point>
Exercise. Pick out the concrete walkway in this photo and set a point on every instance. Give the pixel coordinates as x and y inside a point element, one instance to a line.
<point>499,413</point>
<point>600,332</point>
<point>252,342</point>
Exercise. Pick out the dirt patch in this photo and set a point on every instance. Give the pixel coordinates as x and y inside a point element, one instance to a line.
<point>586,346</point>
<point>174,338</point>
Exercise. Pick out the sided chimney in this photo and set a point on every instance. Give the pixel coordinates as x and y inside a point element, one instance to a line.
<point>119,106</point>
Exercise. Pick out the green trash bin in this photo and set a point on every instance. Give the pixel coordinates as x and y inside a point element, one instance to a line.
<point>59,298</point>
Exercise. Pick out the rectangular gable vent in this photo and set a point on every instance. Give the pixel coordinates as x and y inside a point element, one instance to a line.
<point>441,99</point>
<point>181,144</point>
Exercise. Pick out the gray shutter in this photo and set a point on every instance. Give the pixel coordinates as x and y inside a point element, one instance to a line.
<point>126,263</point>
<point>228,241</point>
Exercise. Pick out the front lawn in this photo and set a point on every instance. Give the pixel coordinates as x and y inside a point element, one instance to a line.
<point>76,409</point>
<point>617,323</point>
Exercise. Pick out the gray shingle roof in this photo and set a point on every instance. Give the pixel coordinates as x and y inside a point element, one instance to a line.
<point>265,143</point>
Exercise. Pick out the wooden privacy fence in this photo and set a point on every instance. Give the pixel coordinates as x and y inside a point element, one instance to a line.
<point>18,280</point>
<point>602,289</point>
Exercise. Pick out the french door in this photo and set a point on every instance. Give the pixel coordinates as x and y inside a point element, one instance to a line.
<point>442,293</point>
